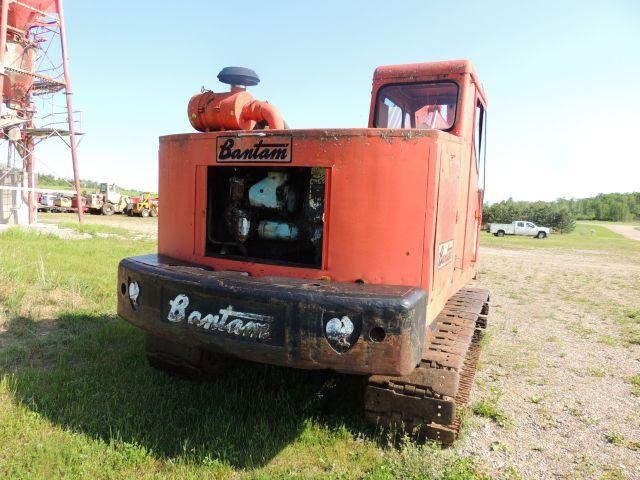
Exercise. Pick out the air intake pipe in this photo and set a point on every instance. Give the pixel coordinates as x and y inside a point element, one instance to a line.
<point>233,110</point>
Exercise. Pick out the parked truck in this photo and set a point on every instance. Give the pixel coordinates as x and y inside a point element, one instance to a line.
<point>519,227</point>
<point>343,249</point>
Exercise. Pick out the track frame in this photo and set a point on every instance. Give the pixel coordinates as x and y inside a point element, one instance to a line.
<point>428,402</point>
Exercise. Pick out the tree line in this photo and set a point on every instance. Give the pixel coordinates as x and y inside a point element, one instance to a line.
<point>53,182</point>
<point>561,214</point>
<point>614,207</point>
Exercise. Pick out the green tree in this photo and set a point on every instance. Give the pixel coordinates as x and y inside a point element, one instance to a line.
<point>564,221</point>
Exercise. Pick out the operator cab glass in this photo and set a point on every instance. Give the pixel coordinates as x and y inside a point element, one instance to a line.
<point>417,105</point>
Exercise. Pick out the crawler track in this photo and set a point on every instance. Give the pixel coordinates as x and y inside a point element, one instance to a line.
<point>426,403</point>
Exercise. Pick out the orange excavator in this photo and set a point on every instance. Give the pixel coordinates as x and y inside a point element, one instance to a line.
<point>344,249</point>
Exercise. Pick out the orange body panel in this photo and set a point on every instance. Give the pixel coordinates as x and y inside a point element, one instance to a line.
<point>402,205</point>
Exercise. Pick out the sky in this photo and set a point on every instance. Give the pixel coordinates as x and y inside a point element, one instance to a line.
<point>562,79</point>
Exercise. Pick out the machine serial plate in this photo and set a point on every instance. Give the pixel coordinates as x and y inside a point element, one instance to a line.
<point>216,316</point>
<point>254,149</point>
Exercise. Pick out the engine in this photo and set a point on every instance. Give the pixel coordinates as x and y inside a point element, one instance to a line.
<point>266,214</point>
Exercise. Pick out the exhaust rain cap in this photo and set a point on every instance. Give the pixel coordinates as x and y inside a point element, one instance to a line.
<point>239,76</point>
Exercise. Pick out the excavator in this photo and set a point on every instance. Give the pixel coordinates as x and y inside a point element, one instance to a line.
<point>353,250</point>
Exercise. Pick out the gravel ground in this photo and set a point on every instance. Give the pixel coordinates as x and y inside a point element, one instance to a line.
<point>557,365</point>
<point>628,231</point>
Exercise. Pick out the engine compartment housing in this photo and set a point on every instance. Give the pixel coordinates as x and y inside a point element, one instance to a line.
<point>266,214</point>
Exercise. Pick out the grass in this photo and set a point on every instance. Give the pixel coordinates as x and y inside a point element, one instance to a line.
<point>635,384</point>
<point>78,399</point>
<point>597,372</point>
<point>630,323</point>
<point>584,237</point>
<point>488,408</point>
<point>621,441</point>
<point>95,230</point>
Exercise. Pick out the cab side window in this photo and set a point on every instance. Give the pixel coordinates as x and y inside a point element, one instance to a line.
<point>520,224</point>
<point>478,140</point>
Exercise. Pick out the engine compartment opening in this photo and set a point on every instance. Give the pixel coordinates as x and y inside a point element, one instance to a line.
<point>266,214</point>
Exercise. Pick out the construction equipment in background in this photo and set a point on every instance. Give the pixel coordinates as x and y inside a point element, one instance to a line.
<point>62,204</point>
<point>107,201</point>
<point>74,203</point>
<point>36,98</point>
<point>341,249</point>
<point>46,202</point>
<point>147,205</point>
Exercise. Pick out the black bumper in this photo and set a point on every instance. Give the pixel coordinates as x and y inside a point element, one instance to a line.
<point>347,327</point>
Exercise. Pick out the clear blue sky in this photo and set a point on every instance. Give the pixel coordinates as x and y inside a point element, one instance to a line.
<point>563,78</point>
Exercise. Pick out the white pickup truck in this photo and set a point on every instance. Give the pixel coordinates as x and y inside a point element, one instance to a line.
<point>519,227</point>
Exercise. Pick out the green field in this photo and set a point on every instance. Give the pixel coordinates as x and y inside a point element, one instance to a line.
<point>78,400</point>
<point>586,236</point>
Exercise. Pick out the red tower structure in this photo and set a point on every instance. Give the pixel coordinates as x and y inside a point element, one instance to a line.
<point>28,33</point>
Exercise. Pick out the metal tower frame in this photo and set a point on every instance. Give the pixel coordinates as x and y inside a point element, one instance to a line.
<point>41,31</point>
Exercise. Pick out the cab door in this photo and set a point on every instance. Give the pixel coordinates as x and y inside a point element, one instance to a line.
<point>531,228</point>
<point>520,228</point>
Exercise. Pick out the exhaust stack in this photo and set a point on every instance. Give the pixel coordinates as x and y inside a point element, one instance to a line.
<point>234,110</point>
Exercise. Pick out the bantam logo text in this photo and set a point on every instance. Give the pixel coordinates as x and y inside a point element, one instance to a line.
<point>445,253</point>
<point>232,149</point>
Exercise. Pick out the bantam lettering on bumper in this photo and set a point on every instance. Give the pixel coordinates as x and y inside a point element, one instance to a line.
<point>249,325</point>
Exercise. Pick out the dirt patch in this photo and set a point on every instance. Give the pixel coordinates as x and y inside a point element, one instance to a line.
<point>629,231</point>
<point>560,351</point>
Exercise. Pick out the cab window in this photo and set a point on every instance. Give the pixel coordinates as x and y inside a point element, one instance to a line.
<point>530,225</point>
<point>417,105</point>
<point>478,134</point>
<point>521,224</point>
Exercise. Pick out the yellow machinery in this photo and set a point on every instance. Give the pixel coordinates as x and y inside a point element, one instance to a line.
<point>146,206</point>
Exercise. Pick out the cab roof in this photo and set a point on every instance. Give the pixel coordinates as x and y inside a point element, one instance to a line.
<point>415,72</point>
